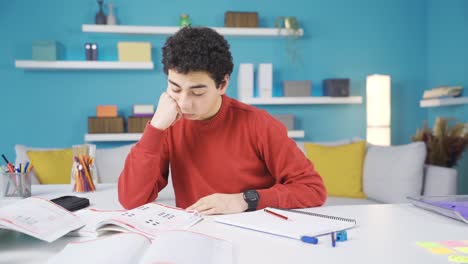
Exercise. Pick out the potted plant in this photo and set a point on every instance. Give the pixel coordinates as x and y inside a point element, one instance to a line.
<point>291,27</point>
<point>445,145</point>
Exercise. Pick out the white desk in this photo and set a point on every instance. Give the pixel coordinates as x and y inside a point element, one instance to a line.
<point>386,234</point>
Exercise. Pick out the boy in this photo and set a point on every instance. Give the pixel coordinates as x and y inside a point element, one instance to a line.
<point>225,156</point>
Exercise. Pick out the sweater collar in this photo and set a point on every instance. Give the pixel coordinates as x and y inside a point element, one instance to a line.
<point>217,118</point>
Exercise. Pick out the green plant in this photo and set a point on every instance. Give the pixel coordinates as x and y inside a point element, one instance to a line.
<point>291,27</point>
<point>445,144</point>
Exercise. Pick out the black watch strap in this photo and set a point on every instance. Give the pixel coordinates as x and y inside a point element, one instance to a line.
<point>251,197</point>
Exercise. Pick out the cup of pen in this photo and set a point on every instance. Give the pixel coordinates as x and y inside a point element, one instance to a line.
<point>15,184</point>
<point>84,173</point>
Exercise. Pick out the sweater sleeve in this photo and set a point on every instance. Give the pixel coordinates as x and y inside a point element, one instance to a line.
<point>298,185</point>
<point>146,169</point>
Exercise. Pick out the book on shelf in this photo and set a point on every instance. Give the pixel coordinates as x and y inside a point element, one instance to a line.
<point>39,218</point>
<point>148,219</point>
<point>177,246</point>
<point>443,92</point>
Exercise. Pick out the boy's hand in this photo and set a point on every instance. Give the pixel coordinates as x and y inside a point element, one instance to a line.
<point>167,113</point>
<point>220,203</point>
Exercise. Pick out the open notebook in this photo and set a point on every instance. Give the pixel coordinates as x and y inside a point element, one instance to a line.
<point>39,218</point>
<point>181,247</point>
<point>148,219</point>
<point>453,206</point>
<point>300,223</point>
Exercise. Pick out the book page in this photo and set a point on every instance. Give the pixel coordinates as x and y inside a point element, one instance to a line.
<point>39,218</point>
<point>185,247</point>
<point>151,218</point>
<point>93,217</point>
<point>122,248</point>
<point>296,226</point>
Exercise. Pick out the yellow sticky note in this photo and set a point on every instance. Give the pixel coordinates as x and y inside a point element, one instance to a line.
<point>462,249</point>
<point>441,250</point>
<point>458,259</point>
<point>428,244</point>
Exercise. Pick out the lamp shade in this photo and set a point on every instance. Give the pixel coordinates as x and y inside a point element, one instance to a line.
<point>378,100</point>
<point>378,109</point>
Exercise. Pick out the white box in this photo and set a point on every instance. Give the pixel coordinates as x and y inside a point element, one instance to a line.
<point>245,81</point>
<point>143,109</point>
<point>265,80</point>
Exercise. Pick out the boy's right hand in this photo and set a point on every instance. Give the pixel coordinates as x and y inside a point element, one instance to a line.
<point>167,113</point>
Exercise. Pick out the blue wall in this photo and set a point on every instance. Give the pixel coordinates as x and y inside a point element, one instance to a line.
<point>342,39</point>
<point>448,62</point>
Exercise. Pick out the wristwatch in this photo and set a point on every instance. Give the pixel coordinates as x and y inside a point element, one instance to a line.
<point>251,197</point>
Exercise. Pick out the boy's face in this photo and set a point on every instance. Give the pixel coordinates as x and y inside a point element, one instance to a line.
<point>196,94</point>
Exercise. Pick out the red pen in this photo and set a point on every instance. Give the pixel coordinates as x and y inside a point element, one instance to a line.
<point>276,214</point>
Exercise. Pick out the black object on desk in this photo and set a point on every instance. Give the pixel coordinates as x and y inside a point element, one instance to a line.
<point>71,203</point>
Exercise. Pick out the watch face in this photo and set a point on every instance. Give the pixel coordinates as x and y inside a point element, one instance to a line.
<point>251,195</point>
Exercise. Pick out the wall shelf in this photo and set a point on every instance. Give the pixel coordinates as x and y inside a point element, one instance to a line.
<point>303,100</point>
<point>443,102</point>
<point>128,137</point>
<point>166,31</point>
<point>82,65</point>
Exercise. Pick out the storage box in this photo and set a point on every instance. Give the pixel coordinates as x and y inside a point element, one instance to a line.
<point>336,87</point>
<point>297,88</point>
<point>105,125</point>
<point>287,120</point>
<point>134,51</point>
<point>44,50</point>
<point>240,19</point>
<point>137,124</point>
<point>106,111</point>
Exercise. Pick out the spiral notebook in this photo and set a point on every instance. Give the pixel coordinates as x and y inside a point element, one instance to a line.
<point>299,223</point>
<point>453,206</point>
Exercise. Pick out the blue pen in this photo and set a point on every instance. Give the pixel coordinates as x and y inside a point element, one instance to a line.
<point>26,167</point>
<point>333,239</point>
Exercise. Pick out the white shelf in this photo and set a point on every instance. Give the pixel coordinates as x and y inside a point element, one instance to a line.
<point>303,100</point>
<point>443,102</point>
<point>136,136</point>
<point>83,65</point>
<point>166,31</point>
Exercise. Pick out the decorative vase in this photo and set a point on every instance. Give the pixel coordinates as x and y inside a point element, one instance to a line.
<point>439,180</point>
<point>100,18</point>
<point>111,20</point>
<point>184,20</point>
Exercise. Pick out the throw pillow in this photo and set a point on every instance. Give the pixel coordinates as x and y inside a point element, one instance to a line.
<point>22,158</point>
<point>110,162</point>
<point>393,173</point>
<point>340,167</point>
<point>52,166</point>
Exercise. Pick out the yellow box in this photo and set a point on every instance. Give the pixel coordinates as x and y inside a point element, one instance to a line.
<point>134,51</point>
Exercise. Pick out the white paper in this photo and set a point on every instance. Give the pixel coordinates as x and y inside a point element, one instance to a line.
<point>39,218</point>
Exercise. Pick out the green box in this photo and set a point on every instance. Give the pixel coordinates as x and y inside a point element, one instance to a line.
<point>44,50</point>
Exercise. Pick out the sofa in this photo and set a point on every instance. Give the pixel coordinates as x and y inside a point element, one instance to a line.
<point>389,174</point>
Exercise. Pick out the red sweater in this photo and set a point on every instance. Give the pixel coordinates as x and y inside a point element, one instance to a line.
<point>240,148</point>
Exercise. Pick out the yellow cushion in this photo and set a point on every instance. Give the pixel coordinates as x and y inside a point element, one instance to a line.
<point>52,166</point>
<point>340,167</point>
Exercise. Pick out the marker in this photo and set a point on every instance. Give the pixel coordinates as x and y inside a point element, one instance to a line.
<point>276,214</point>
<point>10,167</point>
<point>310,240</point>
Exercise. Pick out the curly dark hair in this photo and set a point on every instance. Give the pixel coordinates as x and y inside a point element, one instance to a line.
<point>198,49</point>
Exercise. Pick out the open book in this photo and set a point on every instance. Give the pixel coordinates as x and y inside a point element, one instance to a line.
<point>39,218</point>
<point>148,219</point>
<point>176,246</point>
<point>295,224</point>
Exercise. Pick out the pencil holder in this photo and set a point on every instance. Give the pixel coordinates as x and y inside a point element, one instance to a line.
<point>15,184</point>
<point>83,173</point>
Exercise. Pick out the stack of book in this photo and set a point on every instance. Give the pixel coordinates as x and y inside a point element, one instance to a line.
<point>443,92</point>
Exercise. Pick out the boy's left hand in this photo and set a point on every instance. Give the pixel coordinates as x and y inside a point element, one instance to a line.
<point>220,203</point>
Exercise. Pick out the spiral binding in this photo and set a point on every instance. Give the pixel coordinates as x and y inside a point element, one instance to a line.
<point>319,215</point>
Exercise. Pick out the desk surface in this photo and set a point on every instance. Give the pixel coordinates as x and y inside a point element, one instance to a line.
<point>386,233</point>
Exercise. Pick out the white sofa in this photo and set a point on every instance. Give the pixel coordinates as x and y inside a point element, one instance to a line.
<point>390,173</point>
